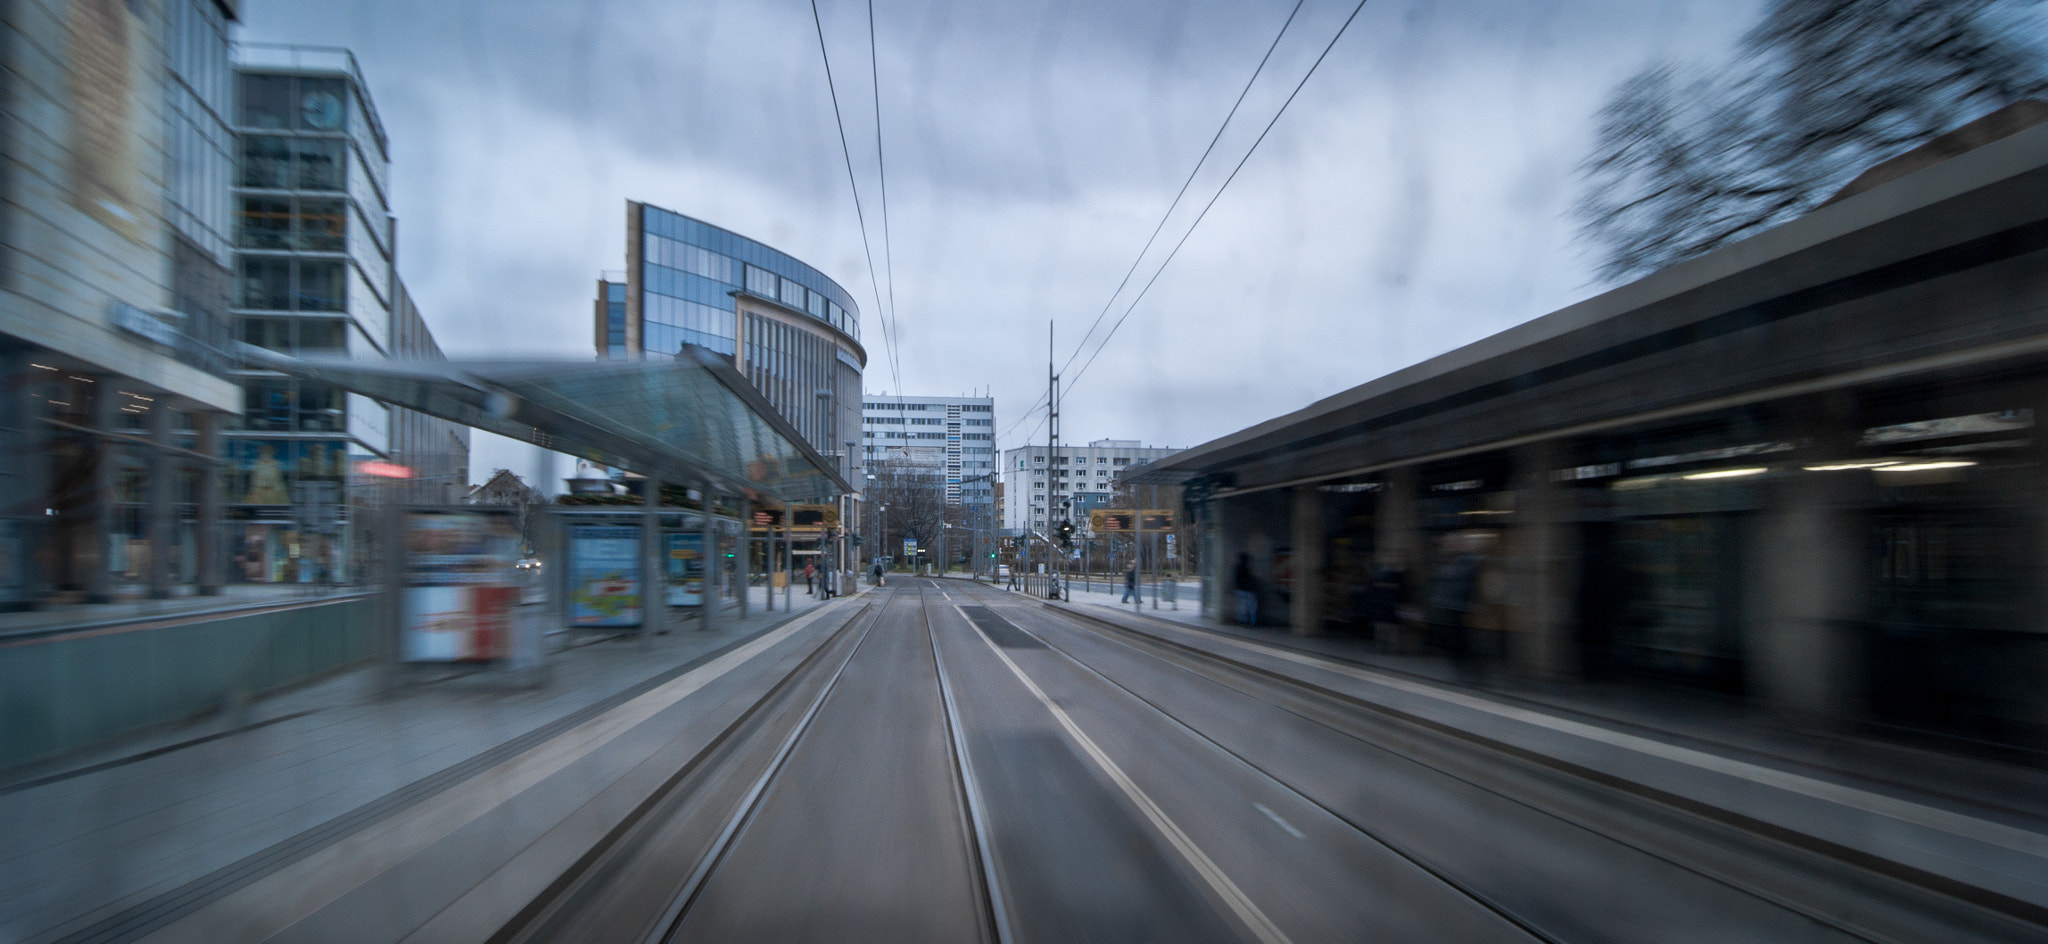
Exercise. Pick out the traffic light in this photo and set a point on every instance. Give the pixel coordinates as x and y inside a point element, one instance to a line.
<point>1066,534</point>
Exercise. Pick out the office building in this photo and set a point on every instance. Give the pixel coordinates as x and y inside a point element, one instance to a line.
<point>953,437</point>
<point>791,330</point>
<point>1038,493</point>
<point>315,243</point>
<point>112,285</point>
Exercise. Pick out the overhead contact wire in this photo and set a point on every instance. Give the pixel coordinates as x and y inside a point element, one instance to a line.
<point>1192,173</point>
<point>882,170</point>
<point>874,280</point>
<point>1219,193</point>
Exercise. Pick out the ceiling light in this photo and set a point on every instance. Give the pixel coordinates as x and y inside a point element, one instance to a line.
<point>1846,466</point>
<point>1928,466</point>
<point>1725,474</point>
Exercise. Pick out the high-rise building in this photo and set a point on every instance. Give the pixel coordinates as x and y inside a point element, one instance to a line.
<point>315,243</point>
<point>1037,493</point>
<point>112,283</point>
<point>953,437</point>
<point>791,330</point>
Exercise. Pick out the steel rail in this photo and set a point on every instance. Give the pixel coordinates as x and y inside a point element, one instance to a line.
<point>971,800</point>
<point>665,925</point>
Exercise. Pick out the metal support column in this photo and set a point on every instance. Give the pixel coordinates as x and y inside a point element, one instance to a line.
<point>743,567</point>
<point>709,597</point>
<point>159,520</point>
<point>99,574</point>
<point>206,530</point>
<point>653,586</point>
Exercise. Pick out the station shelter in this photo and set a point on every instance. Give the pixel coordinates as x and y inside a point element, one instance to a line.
<point>1804,469</point>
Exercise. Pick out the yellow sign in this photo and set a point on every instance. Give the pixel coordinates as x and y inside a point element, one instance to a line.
<point>807,518</point>
<point>1120,520</point>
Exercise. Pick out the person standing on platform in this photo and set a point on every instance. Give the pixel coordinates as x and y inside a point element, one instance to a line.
<point>810,578</point>
<point>1246,586</point>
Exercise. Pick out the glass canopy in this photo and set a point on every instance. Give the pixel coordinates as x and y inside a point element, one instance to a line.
<point>693,420</point>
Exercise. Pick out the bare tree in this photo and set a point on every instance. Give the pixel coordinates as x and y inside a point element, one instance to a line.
<point>915,494</point>
<point>1686,160</point>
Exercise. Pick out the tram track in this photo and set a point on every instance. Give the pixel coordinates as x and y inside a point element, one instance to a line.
<point>1503,776</point>
<point>567,907</point>
<point>665,926</point>
<point>972,802</point>
<point>688,863</point>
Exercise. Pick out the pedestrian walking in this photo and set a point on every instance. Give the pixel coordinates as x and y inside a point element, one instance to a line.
<point>875,572</point>
<point>1130,583</point>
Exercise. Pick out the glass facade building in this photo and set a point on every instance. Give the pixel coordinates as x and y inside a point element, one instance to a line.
<point>791,330</point>
<point>315,274</point>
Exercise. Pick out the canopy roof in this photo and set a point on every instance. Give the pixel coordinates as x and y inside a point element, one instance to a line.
<point>693,420</point>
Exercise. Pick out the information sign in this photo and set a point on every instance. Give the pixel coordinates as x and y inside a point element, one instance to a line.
<point>685,566</point>
<point>604,576</point>
<point>460,586</point>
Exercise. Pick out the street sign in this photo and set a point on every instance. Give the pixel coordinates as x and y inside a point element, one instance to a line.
<point>909,547</point>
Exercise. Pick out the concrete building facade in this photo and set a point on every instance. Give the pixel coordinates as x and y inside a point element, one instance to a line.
<point>316,244</point>
<point>1039,494</point>
<point>953,436</point>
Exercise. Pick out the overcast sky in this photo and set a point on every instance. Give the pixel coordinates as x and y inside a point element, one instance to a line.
<point>1412,199</point>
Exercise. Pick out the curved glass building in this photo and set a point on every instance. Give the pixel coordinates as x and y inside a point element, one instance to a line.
<point>794,332</point>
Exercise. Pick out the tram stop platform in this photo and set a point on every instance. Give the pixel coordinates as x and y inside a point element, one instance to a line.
<point>1975,825</point>
<point>193,832</point>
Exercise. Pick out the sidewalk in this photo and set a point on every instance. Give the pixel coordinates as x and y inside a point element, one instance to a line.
<point>1973,821</point>
<point>188,809</point>
<point>60,617</point>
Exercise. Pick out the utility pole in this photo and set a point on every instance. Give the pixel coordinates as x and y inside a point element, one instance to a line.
<point>1052,447</point>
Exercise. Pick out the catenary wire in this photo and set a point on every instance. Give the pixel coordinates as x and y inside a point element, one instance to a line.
<point>882,170</point>
<point>1184,185</point>
<point>1082,345</point>
<point>1219,193</point>
<point>874,281</point>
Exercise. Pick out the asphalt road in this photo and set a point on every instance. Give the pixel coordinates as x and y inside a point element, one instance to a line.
<point>962,763</point>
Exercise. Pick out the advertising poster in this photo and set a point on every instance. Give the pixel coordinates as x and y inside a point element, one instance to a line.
<point>604,576</point>
<point>685,569</point>
<point>459,587</point>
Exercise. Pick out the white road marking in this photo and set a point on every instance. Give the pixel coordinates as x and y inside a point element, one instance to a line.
<point>269,905</point>
<point>1240,904</point>
<point>1275,817</point>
